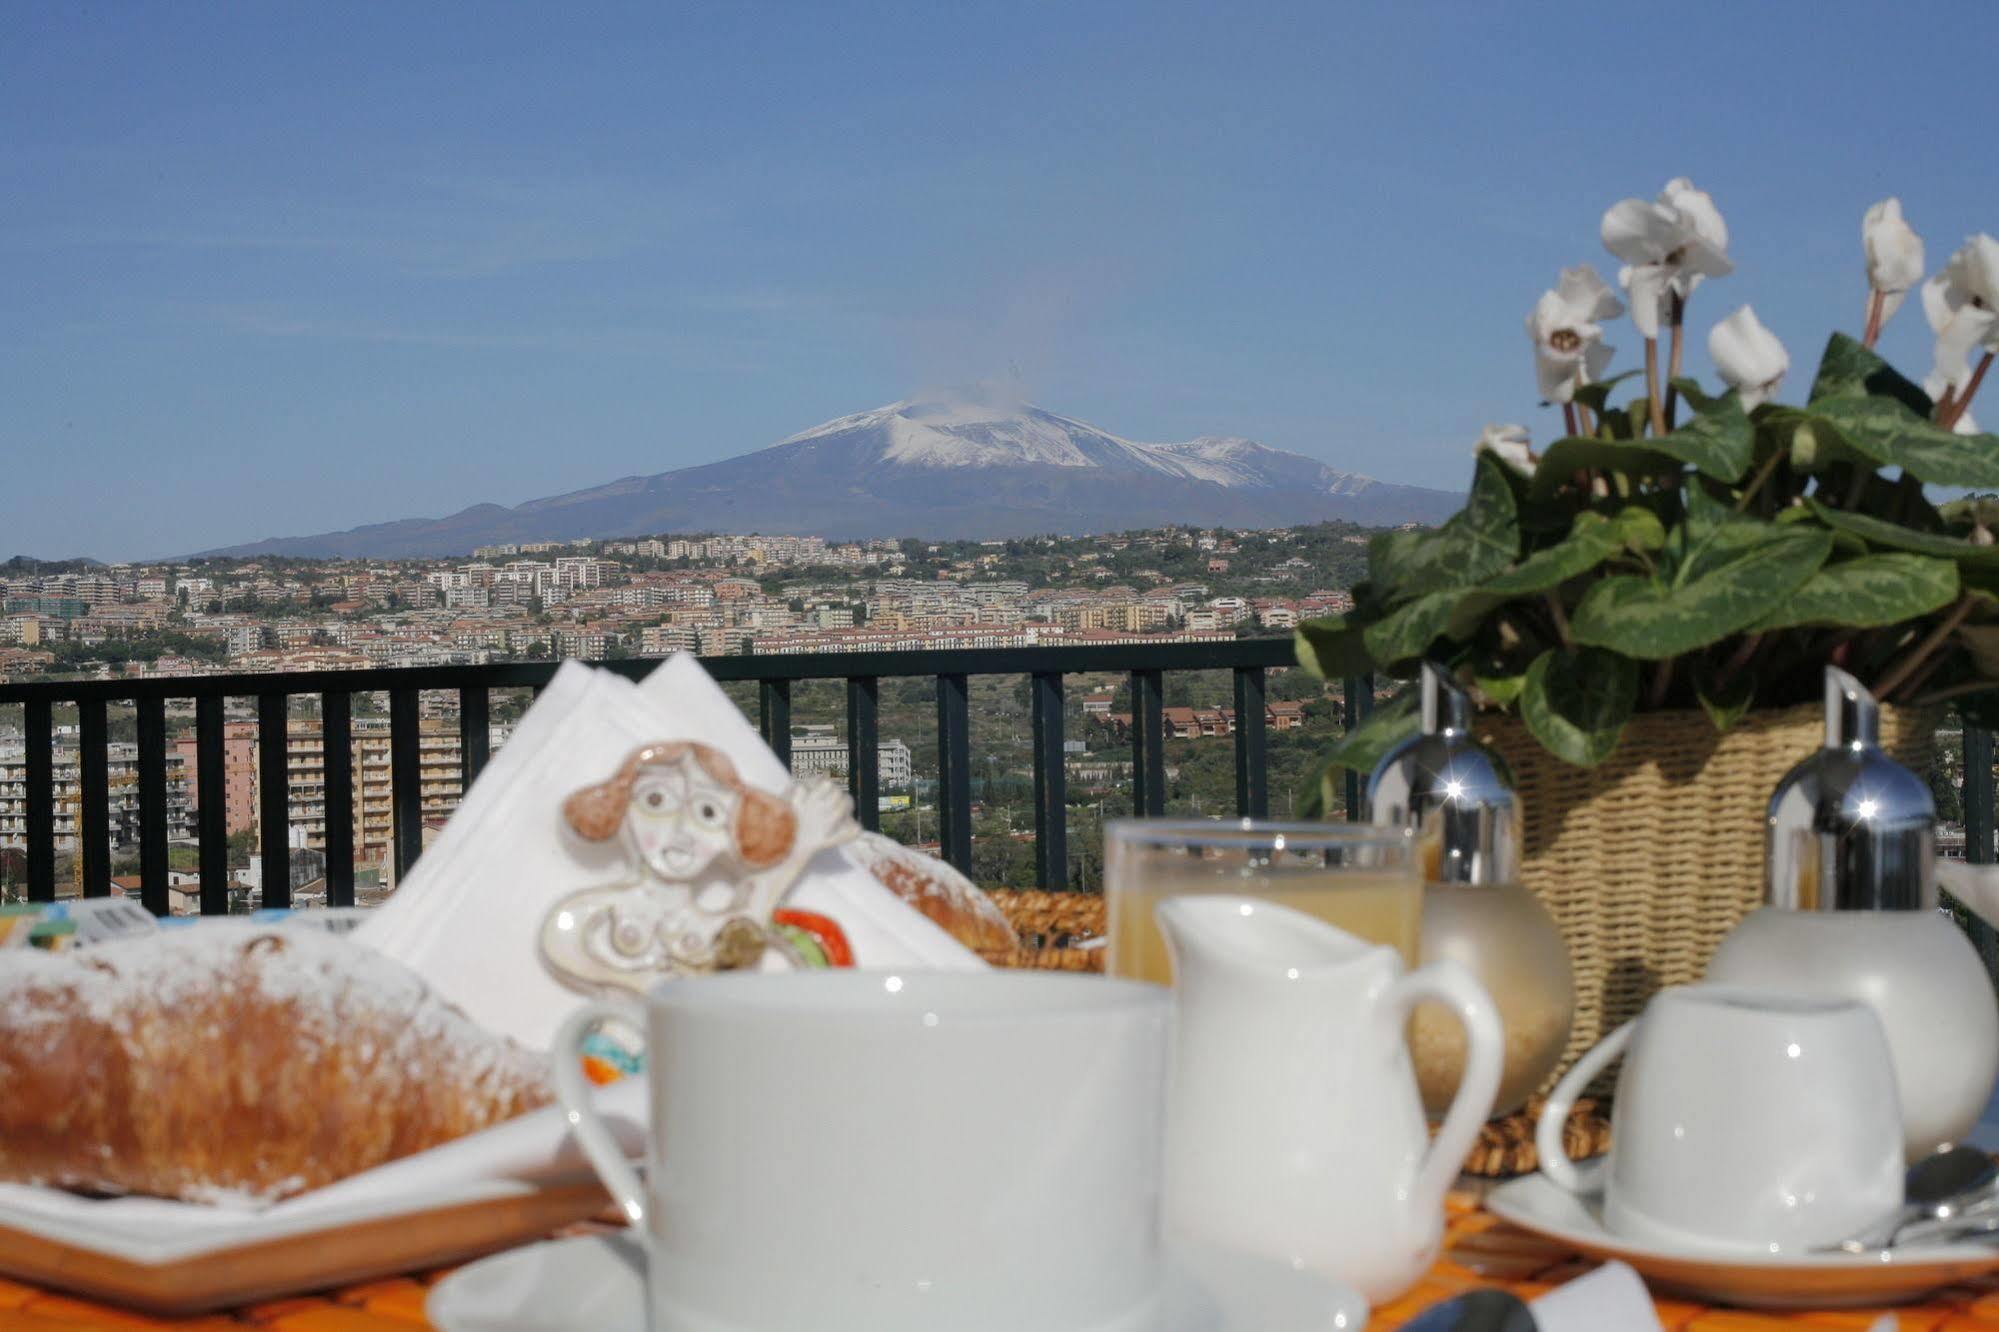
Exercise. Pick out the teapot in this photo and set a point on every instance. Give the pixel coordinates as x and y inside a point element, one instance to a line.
<point>1294,1130</point>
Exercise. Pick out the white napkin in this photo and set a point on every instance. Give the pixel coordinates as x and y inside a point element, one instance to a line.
<point>1611,1299</point>
<point>467,916</point>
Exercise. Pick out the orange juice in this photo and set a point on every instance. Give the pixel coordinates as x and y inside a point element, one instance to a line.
<point>1381,905</point>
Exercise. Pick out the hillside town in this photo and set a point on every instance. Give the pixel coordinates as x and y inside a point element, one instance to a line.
<point>712,595</point>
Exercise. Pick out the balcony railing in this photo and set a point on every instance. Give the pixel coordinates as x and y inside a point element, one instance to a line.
<point>774,676</point>
<point>335,803</point>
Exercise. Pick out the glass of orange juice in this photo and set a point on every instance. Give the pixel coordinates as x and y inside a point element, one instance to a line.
<point>1358,877</point>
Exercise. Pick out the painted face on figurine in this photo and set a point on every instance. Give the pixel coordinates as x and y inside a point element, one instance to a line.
<point>710,858</point>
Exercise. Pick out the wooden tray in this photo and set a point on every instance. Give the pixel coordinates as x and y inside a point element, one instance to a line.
<point>240,1266</point>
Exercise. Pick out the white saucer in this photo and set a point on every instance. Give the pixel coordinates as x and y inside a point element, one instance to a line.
<point>1761,1281</point>
<point>598,1282</point>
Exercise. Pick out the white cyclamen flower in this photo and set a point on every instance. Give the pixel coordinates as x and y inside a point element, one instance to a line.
<point>1962,303</point>
<point>1667,247</point>
<point>1568,344</point>
<point>1509,443</point>
<point>1894,254</point>
<point>1748,356</point>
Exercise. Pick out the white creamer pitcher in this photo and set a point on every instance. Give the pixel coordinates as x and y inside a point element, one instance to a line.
<point>1293,1129</point>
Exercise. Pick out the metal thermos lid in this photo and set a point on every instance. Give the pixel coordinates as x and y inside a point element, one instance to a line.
<point>1443,784</point>
<point>1850,828</point>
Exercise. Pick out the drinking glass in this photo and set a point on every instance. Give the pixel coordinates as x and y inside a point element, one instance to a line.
<point>1357,877</point>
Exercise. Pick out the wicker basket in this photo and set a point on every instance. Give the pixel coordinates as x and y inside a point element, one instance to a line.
<point>1649,859</point>
<point>1050,925</point>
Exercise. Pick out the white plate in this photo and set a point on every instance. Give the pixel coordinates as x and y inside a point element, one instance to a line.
<point>1762,1281</point>
<point>598,1282</point>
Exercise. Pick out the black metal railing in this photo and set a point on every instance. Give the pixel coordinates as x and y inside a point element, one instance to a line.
<point>1144,663</point>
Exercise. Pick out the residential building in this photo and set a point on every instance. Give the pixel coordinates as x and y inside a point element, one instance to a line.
<point>821,749</point>
<point>239,774</point>
<point>121,795</point>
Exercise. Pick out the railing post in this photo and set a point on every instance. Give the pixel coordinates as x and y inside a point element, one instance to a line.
<point>1977,799</point>
<point>1252,776</point>
<point>153,862</point>
<point>1148,744</point>
<point>1356,703</point>
<point>274,801</point>
<point>864,749</point>
<point>93,781</point>
<point>1051,803</point>
<point>336,741</point>
<point>212,807</point>
<point>39,721</point>
<point>405,781</point>
<point>774,717</point>
<point>475,735</point>
<point>954,771</point>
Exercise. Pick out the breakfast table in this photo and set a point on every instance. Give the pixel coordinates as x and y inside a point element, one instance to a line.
<point>1479,1250</point>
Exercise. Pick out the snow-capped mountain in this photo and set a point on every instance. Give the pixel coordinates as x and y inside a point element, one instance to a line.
<point>967,464</point>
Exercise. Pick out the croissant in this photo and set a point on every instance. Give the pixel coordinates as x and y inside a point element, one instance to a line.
<point>229,1061</point>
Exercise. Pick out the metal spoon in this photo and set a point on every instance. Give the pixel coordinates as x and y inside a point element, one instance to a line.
<point>1482,1310</point>
<point>1936,1188</point>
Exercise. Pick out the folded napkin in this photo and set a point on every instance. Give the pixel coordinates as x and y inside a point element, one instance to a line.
<point>468,915</point>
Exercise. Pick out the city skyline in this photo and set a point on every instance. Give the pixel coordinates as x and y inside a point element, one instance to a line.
<point>343,267</point>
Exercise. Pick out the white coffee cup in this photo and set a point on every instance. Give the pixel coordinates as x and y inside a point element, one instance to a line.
<point>1743,1119</point>
<point>901,1152</point>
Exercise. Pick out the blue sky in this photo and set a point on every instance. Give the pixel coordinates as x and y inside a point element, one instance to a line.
<point>269,270</point>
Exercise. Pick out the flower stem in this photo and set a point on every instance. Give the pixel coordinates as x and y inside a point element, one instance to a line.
<point>1899,675</point>
<point>1561,619</point>
<point>1756,482</point>
<point>1738,659</point>
<point>1678,316</point>
<point>1876,302</point>
<point>1652,385</point>
<point>1662,684</point>
<point>1958,690</point>
<point>1952,409</point>
<point>1569,417</point>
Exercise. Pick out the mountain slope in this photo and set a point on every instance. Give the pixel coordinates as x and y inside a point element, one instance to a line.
<point>966,466</point>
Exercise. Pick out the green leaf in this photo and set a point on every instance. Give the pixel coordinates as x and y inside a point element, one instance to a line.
<point>1695,396</point>
<point>1849,369</point>
<point>1332,649</point>
<point>1572,453</point>
<point>1724,705</point>
<point>1719,440</point>
<point>1727,583</point>
<point>1410,629</point>
<point>1597,396</point>
<point>1880,532</point>
<point>1475,543</point>
<point>1640,529</point>
<point>1890,434</point>
<point>1502,691</point>
<point>1381,730</point>
<point>1576,704</point>
<point>1592,539</point>
<point>1866,593</point>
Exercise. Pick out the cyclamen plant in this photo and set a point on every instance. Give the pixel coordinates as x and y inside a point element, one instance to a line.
<point>1646,561</point>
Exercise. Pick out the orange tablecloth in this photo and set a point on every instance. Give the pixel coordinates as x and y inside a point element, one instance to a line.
<point>1480,1251</point>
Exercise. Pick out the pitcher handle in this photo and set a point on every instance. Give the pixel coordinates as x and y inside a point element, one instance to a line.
<point>1555,1162</point>
<point>1451,984</point>
<point>600,1146</point>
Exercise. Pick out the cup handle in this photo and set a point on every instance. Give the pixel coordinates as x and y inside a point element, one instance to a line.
<point>1452,985</point>
<point>572,1088</point>
<point>1555,1162</point>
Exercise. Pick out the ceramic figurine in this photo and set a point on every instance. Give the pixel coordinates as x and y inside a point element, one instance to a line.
<point>1851,910</point>
<point>709,861</point>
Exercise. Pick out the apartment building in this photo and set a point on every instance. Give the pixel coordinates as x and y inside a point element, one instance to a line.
<point>239,774</point>
<point>440,771</point>
<point>122,795</point>
<point>821,749</point>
